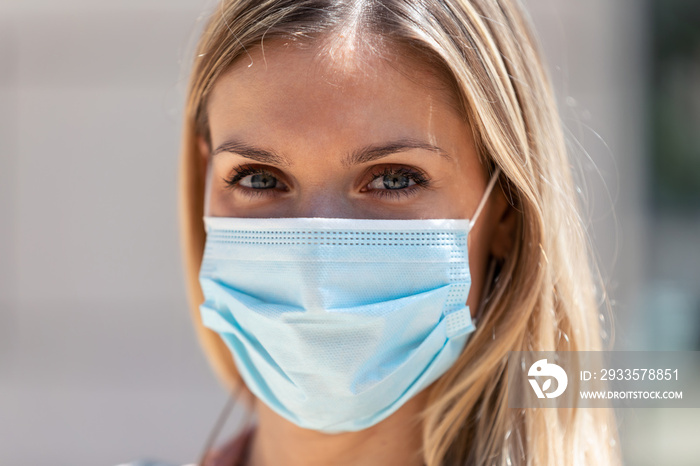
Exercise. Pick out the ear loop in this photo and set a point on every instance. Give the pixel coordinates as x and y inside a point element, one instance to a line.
<point>485,197</point>
<point>490,274</point>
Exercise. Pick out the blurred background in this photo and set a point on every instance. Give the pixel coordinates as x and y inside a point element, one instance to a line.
<point>98,361</point>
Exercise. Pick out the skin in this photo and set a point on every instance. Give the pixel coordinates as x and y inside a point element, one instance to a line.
<point>313,106</point>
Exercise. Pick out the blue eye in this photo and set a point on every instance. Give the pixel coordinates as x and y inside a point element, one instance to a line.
<point>254,181</point>
<point>396,182</point>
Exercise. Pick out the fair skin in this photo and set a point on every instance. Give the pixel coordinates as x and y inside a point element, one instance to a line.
<point>312,107</point>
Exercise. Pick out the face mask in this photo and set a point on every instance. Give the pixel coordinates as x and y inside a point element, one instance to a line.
<point>335,323</point>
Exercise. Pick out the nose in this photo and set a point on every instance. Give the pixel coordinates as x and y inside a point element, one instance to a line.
<point>322,202</point>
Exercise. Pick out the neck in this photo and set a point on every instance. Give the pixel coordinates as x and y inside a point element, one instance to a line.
<point>396,440</point>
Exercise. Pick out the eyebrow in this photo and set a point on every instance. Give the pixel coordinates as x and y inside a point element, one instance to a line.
<point>363,155</point>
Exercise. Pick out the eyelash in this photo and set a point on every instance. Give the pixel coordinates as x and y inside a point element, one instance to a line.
<point>420,179</point>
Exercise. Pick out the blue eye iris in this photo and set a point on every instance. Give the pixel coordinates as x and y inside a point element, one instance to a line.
<point>260,181</point>
<point>392,181</point>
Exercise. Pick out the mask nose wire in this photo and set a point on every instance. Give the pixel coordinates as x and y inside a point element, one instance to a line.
<point>487,192</point>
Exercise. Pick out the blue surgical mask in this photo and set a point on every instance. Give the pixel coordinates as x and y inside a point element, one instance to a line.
<point>335,323</point>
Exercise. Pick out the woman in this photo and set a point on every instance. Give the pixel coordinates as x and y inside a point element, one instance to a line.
<point>310,120</point>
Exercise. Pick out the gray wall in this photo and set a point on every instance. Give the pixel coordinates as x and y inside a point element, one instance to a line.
<point>98,361</point>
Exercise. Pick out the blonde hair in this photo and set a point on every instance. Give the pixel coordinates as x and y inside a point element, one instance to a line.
<point>543,298</point>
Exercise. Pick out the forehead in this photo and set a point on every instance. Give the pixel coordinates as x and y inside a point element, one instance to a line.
<point>327,88</point>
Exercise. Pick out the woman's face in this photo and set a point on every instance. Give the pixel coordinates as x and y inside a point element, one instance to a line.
<point>340,132</point>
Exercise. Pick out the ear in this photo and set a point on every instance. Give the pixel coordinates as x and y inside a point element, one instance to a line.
<point>505,229</point>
